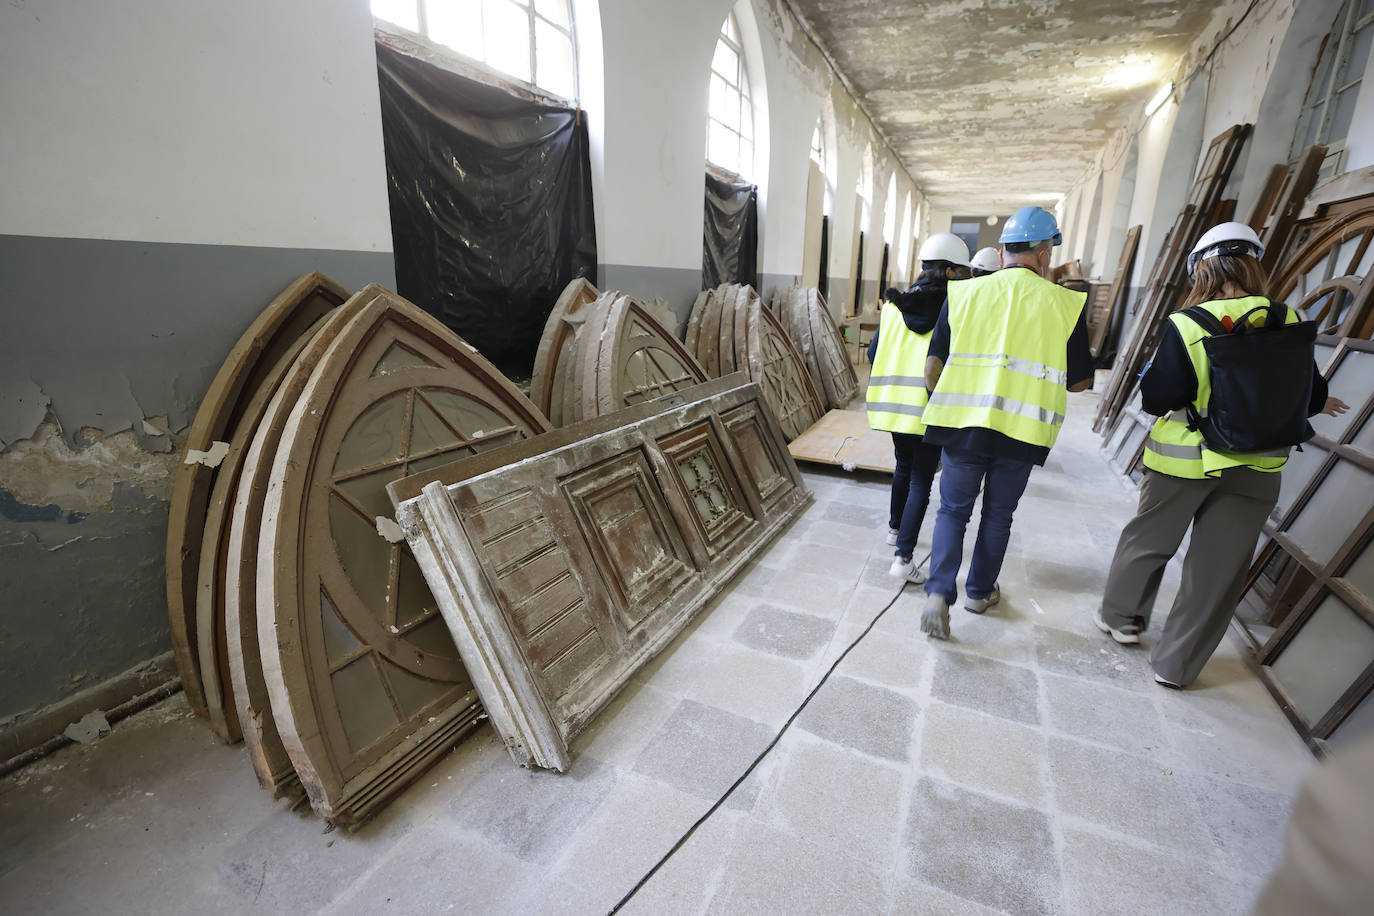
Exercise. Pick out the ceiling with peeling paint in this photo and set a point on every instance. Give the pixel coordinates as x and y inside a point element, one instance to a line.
<point>993,104</point>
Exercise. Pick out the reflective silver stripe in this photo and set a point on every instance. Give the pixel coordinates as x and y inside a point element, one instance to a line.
<point>1184,452</point>
<point>1018,365</point>
<point>910,410</point>
<point>998,402</point>
<point>898,381</point>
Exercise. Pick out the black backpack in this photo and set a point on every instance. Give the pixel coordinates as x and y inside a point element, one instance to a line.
<point>1261,381</point>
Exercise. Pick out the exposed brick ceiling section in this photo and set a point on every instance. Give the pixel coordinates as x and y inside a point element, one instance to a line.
<point>992,105</point>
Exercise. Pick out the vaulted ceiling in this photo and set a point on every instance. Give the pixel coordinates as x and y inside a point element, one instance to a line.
<point>993,104</point>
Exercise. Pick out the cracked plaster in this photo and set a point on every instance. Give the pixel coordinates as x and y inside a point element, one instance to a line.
<point>970,92</point>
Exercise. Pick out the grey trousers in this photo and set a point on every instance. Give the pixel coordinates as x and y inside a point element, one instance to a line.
<point>1227,514</point>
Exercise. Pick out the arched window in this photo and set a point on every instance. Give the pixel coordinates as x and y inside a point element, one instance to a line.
<point>1329,107</point>
<point>890,211</point>
<point>818,156</point>
<point>730,118</point>
<point>865,188</point>
<point>904,249</point>
<point>530,40</point>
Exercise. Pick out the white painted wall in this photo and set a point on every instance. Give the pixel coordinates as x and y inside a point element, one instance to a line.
<point>249,123</point>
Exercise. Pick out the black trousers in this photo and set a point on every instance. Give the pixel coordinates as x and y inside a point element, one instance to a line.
<point>917,462</point>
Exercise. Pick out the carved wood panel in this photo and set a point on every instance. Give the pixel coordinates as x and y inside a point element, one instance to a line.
<point>254,355</point>
<point>758,345</point>
<point>365,684</point>
<point>803,314</point>
<point>639,360</point>
<point>266,752</point>
<point>212,646</point>
<point>556,349</point>
<point>610,354</point>
<point>564,563</point>
<point>777,366</point>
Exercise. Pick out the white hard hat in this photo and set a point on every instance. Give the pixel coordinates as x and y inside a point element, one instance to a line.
<point>945,246</point>
<point>986,259</point>
<point>1227,238</point>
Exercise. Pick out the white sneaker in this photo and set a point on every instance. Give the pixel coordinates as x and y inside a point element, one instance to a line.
<point>1166,683</point>
<point>906,569</point>
<point>892,537</point>
<point>1129,635</point>
<point>979,605</point>
<point>935,617</point>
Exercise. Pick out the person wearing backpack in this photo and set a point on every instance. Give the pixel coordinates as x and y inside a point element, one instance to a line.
<point>1233,383</point>
<point>897,391</point>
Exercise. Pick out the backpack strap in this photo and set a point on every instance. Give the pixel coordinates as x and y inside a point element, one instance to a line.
<point>1277,315</point>
<point>1205,320</point>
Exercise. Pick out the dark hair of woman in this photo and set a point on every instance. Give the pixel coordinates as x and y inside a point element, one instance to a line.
<point>935,272</point>
<point>1212,274</point>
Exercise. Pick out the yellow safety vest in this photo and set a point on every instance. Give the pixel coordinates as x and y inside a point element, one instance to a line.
<point>1008,361</point>
<point>897,385</point>
<point>1178,451</point>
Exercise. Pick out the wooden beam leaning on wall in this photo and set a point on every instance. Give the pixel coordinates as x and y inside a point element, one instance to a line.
<point>563,564</point>
<point>1168,279</point>
<point>1118,293</point>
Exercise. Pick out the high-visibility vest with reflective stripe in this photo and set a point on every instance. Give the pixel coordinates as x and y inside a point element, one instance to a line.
<point>1178,451</point>
<point>1008,356</point>
<point>897,385</point>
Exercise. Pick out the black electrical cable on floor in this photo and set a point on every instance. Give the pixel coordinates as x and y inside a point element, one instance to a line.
<point>763,753</point>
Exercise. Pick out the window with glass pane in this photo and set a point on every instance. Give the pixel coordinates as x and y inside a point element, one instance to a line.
<point>528,40</point>
<point>1329,107</point>
<point>1327,655</point>
<point>1352,382</point>
<point>1341,500</point>
<point>730,116</point>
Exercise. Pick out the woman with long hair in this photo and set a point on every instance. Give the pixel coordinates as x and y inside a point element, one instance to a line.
<point>1224,496</point>
<point>897,390</point>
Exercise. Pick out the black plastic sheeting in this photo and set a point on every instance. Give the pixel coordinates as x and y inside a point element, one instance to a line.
<point>491,204</point>
<point>731,236</point>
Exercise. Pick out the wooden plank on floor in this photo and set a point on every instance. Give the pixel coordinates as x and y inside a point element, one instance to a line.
<point>844,439</point>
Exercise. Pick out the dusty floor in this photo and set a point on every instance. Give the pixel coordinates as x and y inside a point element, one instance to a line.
<point>1029,765</point>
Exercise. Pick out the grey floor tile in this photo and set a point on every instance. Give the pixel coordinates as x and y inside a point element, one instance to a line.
<point>1122,718</point>
<point>753,684</point>
<point>1247,824</point>
<point>1066,577</point>
<point>769,628</point>
<point>837,798</point>
<point>883,658</point>
<point>773,872</point>
<point>1130,794</point>
<point>853,714</point>
<point>702,749</point>
<point>982,849</point>
<point>837,563</point>
<point>627,835</point>
<point>533,814</point>
<point>858,513</point>
<point>983,752</point>
<point>913,898</point>
<point>1094,657</point>
<point>989,686</point>
<point>690,878</point>
<point>808,593</point>
<point>419,875</point>
<point>1106,876</point>
<point>621,730</point>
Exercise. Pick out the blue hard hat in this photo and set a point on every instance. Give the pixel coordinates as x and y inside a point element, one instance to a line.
<point>1031,224</point>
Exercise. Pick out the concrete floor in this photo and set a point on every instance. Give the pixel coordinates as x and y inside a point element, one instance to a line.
<point>1030,765</point>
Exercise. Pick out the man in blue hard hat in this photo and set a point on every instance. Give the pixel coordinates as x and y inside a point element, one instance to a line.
<point>1005,351</point>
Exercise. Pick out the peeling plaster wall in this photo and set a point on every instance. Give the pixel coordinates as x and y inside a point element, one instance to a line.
<point>654,129</point>
<point>170,167</point>
<point>1259,75</point>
